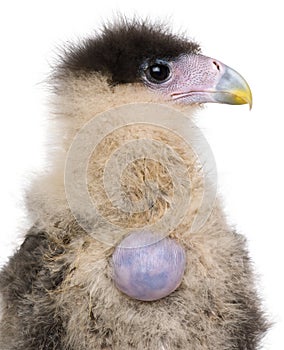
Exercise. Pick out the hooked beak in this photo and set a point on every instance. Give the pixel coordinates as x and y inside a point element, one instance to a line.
<point>213,82</point>
<point>232,88</point>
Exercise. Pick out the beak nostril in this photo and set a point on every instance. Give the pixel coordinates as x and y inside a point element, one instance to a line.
<point>217,65</point>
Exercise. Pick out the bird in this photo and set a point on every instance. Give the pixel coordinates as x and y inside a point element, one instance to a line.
<point>109,278</point>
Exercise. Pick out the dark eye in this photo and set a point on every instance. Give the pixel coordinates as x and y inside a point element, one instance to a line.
<point>158,72</point>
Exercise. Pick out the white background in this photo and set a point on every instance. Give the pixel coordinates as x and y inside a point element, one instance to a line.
<point>248,145</point>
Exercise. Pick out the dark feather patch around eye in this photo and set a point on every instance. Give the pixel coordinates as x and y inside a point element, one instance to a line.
<point>120,49</point>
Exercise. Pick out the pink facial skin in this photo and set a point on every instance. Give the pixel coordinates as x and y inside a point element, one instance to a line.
<point>148,267</point>
<point>200,79</point>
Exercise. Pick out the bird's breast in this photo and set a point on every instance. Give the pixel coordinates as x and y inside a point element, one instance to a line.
<point>148,266</point>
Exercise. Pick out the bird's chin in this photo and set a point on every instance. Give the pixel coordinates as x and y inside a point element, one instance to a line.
<point>193,97</point>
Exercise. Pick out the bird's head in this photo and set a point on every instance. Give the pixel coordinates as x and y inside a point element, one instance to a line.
<point>150,57</point>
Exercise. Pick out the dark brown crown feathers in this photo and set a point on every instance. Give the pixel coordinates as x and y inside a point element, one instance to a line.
<point>120,49</point>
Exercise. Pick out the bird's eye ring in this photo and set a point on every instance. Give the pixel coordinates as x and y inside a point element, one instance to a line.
<point>158,72</point>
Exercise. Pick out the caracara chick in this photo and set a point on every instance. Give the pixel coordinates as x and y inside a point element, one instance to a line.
<point>130,248</point>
